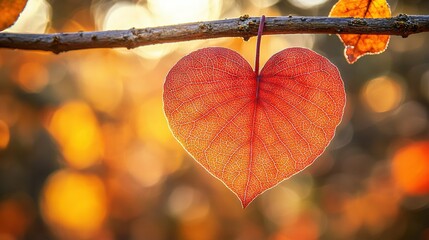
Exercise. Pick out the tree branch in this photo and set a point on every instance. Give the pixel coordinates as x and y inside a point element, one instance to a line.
<point>245,27</point>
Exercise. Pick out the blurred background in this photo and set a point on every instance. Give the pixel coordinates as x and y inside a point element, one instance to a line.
<point>86,153</point>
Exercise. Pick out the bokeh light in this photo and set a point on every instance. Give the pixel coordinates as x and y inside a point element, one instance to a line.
<point>231,9</point>
<point>4,134</point>
<point>382,94</point>
<point>15,217</point>
<point>410,168</point>
<point>188,204</point>
<point>75,127</point>
<point>125,15</point>
<point>304,226</point>
<point>151,122</point>
<point>146,164</point>
<point>306,4</point>
<point>32,76</point>
<point>9,109</point>
<point>173,12</point>
<point>100,80</point>
<point>264,3</point>
<point>282,205</point>
<point>75,204</point>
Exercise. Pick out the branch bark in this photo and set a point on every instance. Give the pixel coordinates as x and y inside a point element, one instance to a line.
<point>244,26</point>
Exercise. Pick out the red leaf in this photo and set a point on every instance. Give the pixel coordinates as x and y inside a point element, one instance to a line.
<point>252,136</point>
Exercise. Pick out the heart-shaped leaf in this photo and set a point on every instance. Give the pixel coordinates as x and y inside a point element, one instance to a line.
<point>250,131</point>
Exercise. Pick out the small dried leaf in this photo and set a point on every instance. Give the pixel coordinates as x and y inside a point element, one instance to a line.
<point>358,45</point>
<point>9,12</point>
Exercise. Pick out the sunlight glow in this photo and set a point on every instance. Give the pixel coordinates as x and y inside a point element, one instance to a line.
<point>125,15</point>
<point>151,122</point>
<point>100,79</point>
<point>174,12</point>
<point>306,4</point>
<point>264,3</point>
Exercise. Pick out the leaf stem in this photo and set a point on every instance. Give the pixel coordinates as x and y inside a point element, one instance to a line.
<point>258,43</point>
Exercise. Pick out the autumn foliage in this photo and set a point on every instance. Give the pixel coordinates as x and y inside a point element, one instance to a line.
<point>86,151</point>
<point>253,131</point>
<point>358,45</point>
<point>9,12</point>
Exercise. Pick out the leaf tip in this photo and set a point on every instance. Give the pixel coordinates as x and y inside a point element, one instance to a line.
<point>350,54</point>
<point>245,202</point>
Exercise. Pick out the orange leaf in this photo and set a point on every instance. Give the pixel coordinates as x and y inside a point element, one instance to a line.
<point>358,45</point>
<point>250,131</point>
<point>9,12</point>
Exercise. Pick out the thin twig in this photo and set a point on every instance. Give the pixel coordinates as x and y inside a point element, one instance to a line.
<point>245,27</point>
